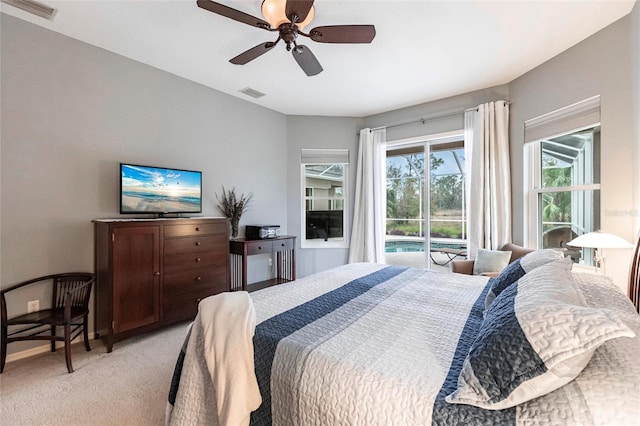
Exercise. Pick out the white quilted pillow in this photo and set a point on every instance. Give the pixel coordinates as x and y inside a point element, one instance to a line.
<point>537,335</point>
<point>518,268</point>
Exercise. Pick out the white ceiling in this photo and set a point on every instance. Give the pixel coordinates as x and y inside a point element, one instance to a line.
<point>423,50</point>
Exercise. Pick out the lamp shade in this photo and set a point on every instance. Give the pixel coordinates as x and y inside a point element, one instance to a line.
<point>599,240</point>
<point>274,13</point>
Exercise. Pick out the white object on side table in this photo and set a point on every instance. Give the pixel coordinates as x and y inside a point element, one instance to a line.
<point>599,241</point>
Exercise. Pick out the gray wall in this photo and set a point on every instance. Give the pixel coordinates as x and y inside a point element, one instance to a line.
<point>337,132</point>
<point>605,64</point>
<point>452,107</point>
<point>317,132</point>
<point>608,64</point>
<point>71,112</point>
<point>634,19</point>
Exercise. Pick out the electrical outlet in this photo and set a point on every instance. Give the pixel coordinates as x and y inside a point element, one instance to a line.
<point>270,261</point>
<point>33,305</point>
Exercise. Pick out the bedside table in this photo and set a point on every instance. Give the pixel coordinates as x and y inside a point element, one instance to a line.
<point>284,248</point>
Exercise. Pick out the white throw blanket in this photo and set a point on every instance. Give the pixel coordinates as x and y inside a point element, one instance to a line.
<point>224,326</point>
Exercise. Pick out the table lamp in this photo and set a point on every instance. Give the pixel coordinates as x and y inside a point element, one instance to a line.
<point>599,241</point>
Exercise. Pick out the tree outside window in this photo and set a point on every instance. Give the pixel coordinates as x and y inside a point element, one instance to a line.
<point>405,194</point>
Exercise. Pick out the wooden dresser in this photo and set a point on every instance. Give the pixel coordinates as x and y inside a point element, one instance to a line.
<point>153,273</point>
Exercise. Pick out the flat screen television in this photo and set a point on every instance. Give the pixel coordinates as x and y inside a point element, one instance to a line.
<point>159,191</point>
<point>324,224</point>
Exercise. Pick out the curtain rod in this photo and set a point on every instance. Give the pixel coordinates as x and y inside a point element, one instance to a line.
<point>433,118</point>
<point>422,120</point>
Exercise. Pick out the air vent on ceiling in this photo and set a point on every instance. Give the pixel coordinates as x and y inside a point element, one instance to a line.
<point>252,92</point>
<point>34,7</point>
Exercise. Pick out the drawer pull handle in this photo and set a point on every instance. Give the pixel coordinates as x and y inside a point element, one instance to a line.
<point>157,274</point>
<point>197,229</point>
<point>197,243</point>
<point>282,244</point>
<point>198,259</point>
<point>259,247</point>
<point>198,278</point>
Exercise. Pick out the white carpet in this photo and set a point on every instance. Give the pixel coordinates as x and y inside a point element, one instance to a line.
<point>128,386</point>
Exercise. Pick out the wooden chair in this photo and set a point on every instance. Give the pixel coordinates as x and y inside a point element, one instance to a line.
<point>69,309</point>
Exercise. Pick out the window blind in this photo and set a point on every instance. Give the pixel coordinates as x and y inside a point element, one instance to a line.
<point>578,116</point>
<point>324,156</point>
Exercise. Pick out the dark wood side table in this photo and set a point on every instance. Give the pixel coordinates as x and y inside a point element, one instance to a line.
<point>284,248</point>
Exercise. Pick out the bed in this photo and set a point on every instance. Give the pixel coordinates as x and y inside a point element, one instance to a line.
<point>371,344</point>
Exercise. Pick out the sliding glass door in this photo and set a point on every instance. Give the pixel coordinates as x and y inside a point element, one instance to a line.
<point>426,215</point>
<point>405,224</point>
<point>447,204</point>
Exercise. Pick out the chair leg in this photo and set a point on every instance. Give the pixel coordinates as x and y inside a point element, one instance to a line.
<point>53,337</point>
<point>3,349</point>
<point>67,346</point>
<point>85,325</point>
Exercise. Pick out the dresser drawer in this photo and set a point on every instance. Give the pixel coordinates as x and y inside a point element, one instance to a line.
<point>209,228</point>
<point>281,245</point>
<point>187,261</point>
<point>181,282</point>
<point>259,246</point>
<point>184,306</point>
<point>194,244</point>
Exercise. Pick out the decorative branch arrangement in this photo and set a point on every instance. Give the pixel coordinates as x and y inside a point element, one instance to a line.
<point>233,206</point>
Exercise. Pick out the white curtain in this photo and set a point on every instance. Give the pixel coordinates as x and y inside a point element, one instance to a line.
<point>369,213</point>
<point>489,182</point>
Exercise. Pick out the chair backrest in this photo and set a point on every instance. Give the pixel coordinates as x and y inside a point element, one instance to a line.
<point>72,283</point>
<point>516,251</point>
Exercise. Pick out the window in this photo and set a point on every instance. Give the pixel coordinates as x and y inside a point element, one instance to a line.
<point>405,191</point>
<point>324,213</point>
<point>564,188</point>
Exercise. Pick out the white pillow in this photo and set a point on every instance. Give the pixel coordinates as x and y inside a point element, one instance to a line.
<point>518,268</point>
<point>490,261</point>
<point>537,335</point>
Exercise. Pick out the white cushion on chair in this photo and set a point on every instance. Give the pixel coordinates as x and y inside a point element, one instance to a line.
<point>490,261</point>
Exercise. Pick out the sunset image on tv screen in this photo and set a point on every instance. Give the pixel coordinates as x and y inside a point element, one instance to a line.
<point>158,190</point>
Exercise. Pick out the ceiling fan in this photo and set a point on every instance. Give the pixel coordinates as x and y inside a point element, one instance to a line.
<point>288,18</point>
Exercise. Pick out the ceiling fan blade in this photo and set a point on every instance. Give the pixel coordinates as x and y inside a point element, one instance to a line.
<point>300,8</point>
<point>252,53</point>
<point>343,34</point>
<point>231,13</point>
<point>306,60</point>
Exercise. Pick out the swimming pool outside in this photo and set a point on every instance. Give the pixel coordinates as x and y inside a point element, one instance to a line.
<point>412,246</point>
<point>403,246</point>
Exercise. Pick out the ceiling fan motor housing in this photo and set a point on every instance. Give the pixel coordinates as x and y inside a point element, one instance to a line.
<point>288,33</point>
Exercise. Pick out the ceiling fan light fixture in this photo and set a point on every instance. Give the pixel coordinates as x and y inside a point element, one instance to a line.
<point>274,13</point>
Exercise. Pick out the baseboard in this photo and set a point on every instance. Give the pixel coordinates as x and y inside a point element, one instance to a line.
<point>42,349</point>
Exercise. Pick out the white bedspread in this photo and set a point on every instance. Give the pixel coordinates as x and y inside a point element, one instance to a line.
<point>387,356</point>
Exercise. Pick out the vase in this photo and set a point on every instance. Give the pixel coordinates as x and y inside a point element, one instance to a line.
<point>234,228</point>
